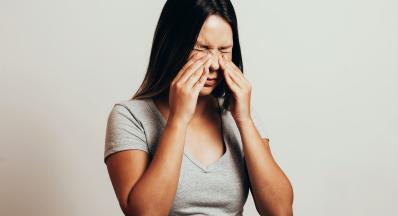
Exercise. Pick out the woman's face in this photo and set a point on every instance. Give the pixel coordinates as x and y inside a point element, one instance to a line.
<point>215,37</point>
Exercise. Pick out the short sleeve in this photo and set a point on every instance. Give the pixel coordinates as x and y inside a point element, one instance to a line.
<point>123,131</point>
<point>258,121</point>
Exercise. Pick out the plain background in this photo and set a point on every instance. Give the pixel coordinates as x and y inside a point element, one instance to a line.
<point>325,79</point>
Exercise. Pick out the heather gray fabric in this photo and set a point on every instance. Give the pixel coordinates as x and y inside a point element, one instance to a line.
<point>218,189</point>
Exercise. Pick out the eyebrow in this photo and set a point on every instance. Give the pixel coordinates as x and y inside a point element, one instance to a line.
<point>204,45</point>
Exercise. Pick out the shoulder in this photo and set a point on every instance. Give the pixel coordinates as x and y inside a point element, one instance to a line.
<point>134,109</point>
<point>133,105</point>
<point>125,127</point>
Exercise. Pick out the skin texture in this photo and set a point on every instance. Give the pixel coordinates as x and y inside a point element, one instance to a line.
<point>193,124</point>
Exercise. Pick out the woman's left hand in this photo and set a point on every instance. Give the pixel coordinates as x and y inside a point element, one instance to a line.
<point>241,90</point>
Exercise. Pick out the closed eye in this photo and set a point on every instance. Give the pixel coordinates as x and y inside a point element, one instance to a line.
<point>198,49</point>
<point>201,50</point>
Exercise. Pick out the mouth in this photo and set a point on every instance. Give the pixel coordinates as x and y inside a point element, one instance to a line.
<point>210,82</point>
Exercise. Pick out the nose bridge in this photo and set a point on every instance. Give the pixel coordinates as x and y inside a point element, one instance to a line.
<point>214,60</point>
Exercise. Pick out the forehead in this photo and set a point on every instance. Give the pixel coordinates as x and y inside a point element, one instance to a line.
<point>215,32</point>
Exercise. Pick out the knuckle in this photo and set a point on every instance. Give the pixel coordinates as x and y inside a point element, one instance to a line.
<point>189,68</point>
<point>179,85</point>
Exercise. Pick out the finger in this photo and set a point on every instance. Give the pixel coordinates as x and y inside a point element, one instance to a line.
<point>231,84</point>
<point>191,69</point>
<point>227,70</point>
<point>196,76</point>
<point>199,85</point>
<point>234,76</point>
<point>221,62</point>
<point>195,57</point>
<point>237,70</point>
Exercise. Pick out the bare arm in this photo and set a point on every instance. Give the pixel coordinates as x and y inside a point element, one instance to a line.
<point>145,188</point>
<point>149,188</point>
<point>271,189</point>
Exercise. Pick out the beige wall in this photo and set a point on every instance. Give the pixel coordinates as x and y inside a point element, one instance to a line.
<point>324,73</point>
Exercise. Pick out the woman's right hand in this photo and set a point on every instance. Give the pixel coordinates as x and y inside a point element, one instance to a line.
<point>185,87</point>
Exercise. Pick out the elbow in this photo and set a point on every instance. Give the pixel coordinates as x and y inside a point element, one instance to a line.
<point>126,211</point>
<point>129,211</point>
<point>286,206</point>
<point>131,208</point>
<point>285,211</point>
<point>136,207</point>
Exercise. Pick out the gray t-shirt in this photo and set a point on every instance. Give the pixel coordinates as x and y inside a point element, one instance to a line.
<point>218,189</point>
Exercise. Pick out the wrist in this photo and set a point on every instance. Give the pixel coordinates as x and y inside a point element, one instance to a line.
<point>244,122</point>
<point>176,122</point>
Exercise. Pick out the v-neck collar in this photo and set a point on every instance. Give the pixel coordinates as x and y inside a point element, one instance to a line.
<point>196,162</point>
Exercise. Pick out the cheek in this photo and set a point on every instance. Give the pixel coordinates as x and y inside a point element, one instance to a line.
<point>193,52</point>
<point>228,56</point>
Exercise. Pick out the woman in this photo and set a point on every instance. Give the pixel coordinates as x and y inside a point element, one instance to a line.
<point>176,148</point>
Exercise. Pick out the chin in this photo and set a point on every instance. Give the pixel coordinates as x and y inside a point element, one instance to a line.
<point>206,90</point>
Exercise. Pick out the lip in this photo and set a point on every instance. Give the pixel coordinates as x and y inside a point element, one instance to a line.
<point>210,82</point>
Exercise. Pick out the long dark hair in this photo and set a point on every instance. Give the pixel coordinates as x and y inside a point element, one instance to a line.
<point>176,33</point>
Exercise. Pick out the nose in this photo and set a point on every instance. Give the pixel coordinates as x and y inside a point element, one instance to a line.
<point>214,65</point>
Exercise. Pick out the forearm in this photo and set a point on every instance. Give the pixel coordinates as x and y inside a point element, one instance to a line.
<point>154,193</point>
<point>271,188</point>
